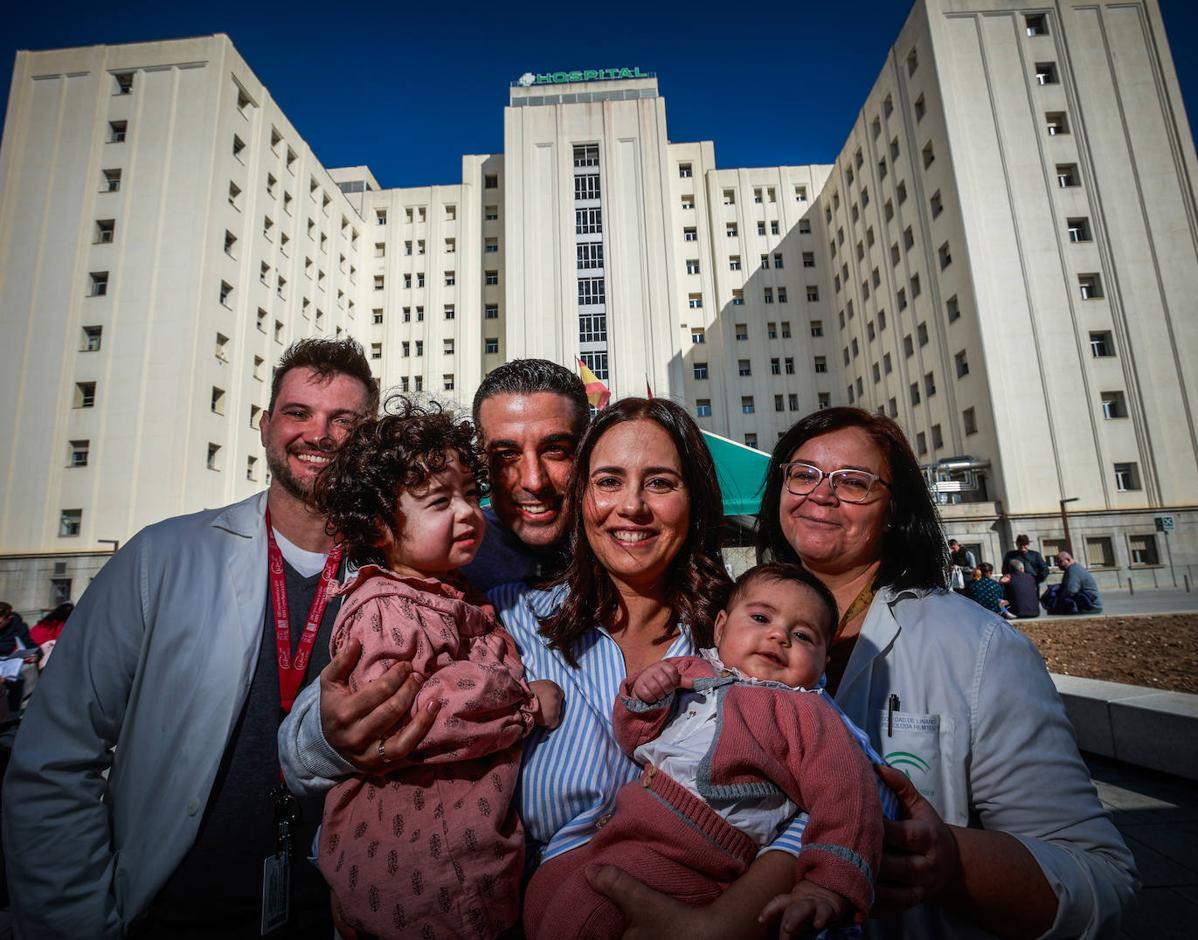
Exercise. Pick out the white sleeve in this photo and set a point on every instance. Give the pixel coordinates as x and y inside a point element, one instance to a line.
<point>1028,779</point>
<point>57,834</point>
<point>310,765</point>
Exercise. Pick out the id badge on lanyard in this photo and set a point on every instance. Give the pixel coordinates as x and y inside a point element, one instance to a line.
<point>276,867</point>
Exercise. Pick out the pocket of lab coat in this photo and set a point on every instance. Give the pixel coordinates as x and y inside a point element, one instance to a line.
<point>916,745</point>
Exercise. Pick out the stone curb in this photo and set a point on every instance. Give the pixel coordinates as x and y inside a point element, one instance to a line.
<point>1129,723</point>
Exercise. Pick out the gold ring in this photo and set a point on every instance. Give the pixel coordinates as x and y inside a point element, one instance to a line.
<point>383,751</point>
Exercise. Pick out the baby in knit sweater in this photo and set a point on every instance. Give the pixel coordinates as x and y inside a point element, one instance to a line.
<point>735,743</point>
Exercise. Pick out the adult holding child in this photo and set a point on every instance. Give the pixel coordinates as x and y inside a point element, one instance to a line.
<point>1004,835</point>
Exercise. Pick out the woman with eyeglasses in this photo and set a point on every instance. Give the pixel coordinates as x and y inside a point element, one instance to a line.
<point>1004,834</point>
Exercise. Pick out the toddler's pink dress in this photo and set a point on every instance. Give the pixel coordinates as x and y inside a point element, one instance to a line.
<point>434,849</point>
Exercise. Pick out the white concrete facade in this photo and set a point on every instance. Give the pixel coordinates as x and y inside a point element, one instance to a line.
<point>1002,257</point>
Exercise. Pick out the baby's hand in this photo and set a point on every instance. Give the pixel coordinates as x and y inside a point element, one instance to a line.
<point>658,681</point>
<point>549,694</point>
<point>807,907</point>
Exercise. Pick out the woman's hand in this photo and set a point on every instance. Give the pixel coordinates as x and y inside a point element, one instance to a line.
<point>549,695</point>
<point>920,859</point>
<point>657,681</point>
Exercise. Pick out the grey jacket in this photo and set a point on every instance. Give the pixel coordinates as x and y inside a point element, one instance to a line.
<point>981,732</point>
<point>157,665</point>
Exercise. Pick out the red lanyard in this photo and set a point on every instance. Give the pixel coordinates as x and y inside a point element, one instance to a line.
<point>291,671</point>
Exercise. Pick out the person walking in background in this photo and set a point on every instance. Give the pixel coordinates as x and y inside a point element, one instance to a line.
<point>1033,562</point>
<point>983,589</point>
<point>963,564</point>
<point>1020,591</point>
<point>1078,591</point>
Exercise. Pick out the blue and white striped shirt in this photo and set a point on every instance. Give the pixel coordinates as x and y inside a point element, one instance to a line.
<point>570,777</point>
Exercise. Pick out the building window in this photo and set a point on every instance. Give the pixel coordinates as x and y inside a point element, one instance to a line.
<point>703,408</point>
<point>729,197</point>
<point>920,108</point>
<point>788,363</point>
<point>962,364</point>
<point>809,259</point>
<point>800,194</point>
<point>1036,24</point>
<point>690,234</point>
<point>450,278</point>
<point>1142,549</point>
<point>77,453</point>
<point>588,221</point>
<point>592,328</point>
<point>214,459</point>
<point>238,148</point>
<point>590,291</point>
<point>491,246</point>
<point>684,171</point>
<point>887,363</point>
<point>781,295</point>
<point>946,258</point>
<point>491,345</point>
<point>98,283</point>
<point>117,131</point>
<point>688,202</point>
<point>405,349</point>
<point>746,404</point>
<point>111,181</point>
<point>916,398</point>
<point>786,329</point>
<point>1067,175</point>
<point>449,311</point>
<point>1079,230</point>
<point>1046,73</point>
<point>279,332</point>
<point>91,338</point>
<point>929,156</point>
<point>902,298</point>
<point>760,228</point>
<point>921,443</point>
<point>586,155</point>
<point>490,181</point>
<point>491,278</point>
<point>1099,553</point>
<point>70,521</point>
<point>697,335</point>
<point>768,294</point>
<point>1056,123</point>
<point>590,256</point>
<point>779,403</point>
<point>692,265</point>
<point>922,332</point>
<point>419,347</point>
<point>734,263</point>
<point>817,328</point>
<point>217,401</point>
<point>952,308</point>
<point>490,213</point>
<point>1114,405</point>
<point>969,421</point>
<point>1101,344</point>
<point>744,368</point>
<point>700,370</point>
<point>491,312</point>
<point>1090,286</point>
<point>742,331</point>
<point>376,315</point>
<point>771,330</point>
<point>908,346</point>
<point>929,384</point>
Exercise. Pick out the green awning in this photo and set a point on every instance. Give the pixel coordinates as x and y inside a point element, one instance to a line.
<point>741,471</point>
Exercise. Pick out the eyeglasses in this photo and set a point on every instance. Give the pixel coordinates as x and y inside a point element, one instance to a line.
<point>850,486</point>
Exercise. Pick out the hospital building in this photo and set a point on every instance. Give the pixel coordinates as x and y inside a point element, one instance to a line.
<point>1003,257</point>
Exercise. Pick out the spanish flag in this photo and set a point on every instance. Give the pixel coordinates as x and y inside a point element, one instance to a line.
<point>597,393</point>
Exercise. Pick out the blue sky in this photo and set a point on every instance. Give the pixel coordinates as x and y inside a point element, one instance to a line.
<point>407,88</point>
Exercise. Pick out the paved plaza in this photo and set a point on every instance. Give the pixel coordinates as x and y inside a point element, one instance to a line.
<point>1158,816</point>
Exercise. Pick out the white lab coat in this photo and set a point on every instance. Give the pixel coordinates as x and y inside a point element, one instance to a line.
<point>982,733</point>
<point>157,664</point>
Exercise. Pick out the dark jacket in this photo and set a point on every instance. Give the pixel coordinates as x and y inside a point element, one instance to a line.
<point>1022,595</point>
<point>1033,563</point>
<point>16,629</point>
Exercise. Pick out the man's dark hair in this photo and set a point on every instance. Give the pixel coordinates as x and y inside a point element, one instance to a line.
<point>781,571</point>
<point>5,609</point>
<point>696,579</point>
<point>914,554</point>
<point>328,358</point>
<point>358,492</point>
<point>528,376</point>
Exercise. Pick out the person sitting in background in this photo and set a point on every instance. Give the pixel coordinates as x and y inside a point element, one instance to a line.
<point>45,632</point>
<point>962,562</point>
<point>19,672</point>
<point>1020,591</point>
<point>1078,591</point>
<point>983,589</point>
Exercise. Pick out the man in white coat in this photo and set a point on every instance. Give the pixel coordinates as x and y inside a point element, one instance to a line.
<point>140,797</point>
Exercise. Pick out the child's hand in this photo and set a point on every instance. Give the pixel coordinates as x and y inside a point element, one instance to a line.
<point>807,907</point>
<point>658,681</point>
<point>549,694</point>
